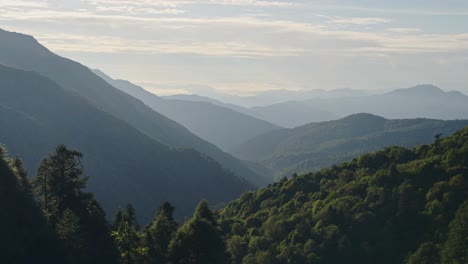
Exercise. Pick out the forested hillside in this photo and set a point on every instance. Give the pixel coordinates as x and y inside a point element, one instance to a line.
<point>24,52</point>
<point>396,205</point>
<point>393,206</point>
<point>318,145</point>
<point>36,114</point>
<point>25,236</point>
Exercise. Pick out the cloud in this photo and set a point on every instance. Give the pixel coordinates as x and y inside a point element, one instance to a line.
<point>24,3</point>
<point>246,3</point>
<point>241,36</point>
<point>400,11</point>
<point>103,44</point>
<point>360,21</point>
<point>405,30</point>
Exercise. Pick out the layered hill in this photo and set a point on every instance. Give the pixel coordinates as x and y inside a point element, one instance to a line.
<point>427,101</point>
<point>318,145</point>
<point>396,205</point>
<point>24,52</point>
<point>127,165</point>
<point>421,101</point>
<point>217,124</point>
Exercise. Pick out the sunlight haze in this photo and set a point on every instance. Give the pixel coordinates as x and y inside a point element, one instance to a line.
<point>242,47</point>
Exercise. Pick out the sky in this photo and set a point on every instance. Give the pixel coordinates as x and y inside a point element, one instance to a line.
<point>243,47</point>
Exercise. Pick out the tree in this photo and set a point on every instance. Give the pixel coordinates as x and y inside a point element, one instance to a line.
<point>159,233</point>
<point>59,182</point>
<point>427,253</point>
<point>69,232</point>
<point>25,236</point>
<point>198,240</point>
<point>455,249</point>
<point>127,238</point>
<point>74,214</point>
<point>21,174</point>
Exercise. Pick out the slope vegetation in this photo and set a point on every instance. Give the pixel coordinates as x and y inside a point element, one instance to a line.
<point>396,205</point>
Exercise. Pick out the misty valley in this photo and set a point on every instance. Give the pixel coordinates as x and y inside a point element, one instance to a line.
<point>99,169</point>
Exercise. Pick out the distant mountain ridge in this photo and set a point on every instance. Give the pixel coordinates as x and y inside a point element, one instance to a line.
<point>217,124</point>
<point>318,145</point>
<point>24,52</point>
<point>421,101</point>
<point>126,165</point>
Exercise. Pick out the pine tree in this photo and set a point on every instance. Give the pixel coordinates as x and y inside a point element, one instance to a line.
<point>159,233</point>
<point>199,240</point>
<point>127,238</point>
<point>25,236</point>
<point>74,214</point>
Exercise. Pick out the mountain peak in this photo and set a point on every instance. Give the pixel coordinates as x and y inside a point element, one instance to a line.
<point>422,89</point>
<point>363,116</point>
<point>13,41</point>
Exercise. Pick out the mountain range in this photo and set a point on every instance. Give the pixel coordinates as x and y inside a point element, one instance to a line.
<point>140,134</point>
<point>37,114</point>
<point>215,123</point>
<point>427,101</point>
<point>318,145</point>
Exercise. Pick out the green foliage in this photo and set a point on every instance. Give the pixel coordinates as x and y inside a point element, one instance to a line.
<point>198,240</point>
<point>159,233</point>
<point>455,249</point>
<point>25,236</point>
<point>127,238</point>
<point>391,206</point>
<point>75,215</point>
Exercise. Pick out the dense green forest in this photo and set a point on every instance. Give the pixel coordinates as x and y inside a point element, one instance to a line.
<point>393,206</point>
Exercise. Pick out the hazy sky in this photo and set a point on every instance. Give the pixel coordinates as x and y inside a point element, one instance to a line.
<point>246,46</point>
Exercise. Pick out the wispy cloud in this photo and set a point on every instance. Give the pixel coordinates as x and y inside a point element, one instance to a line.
<point>360,21</point>
<point>246,45</point>
<point>405,30</point>
<point>24,3</point>
<point>219,36</point>
<point>103,44</point>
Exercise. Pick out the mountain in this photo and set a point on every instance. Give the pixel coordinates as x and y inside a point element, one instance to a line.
<point>292,114</point>
<point>396,205</point>
<point>222,126</point>
<point>271,97</point>
<point>421,101</point>
<point>199,98</point>
<point>425,101</point>
<point>24,52</point>
<point>127,165</point>
<point>285,114</point>
<point>318,145</point>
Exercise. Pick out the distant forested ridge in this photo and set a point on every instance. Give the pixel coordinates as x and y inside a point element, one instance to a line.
<point>319,145</point>
<point>396,205</point>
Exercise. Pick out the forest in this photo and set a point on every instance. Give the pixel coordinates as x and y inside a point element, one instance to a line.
<point>396,205</point>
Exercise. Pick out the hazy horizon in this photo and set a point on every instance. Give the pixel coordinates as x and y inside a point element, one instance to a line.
<point>242,47</point>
